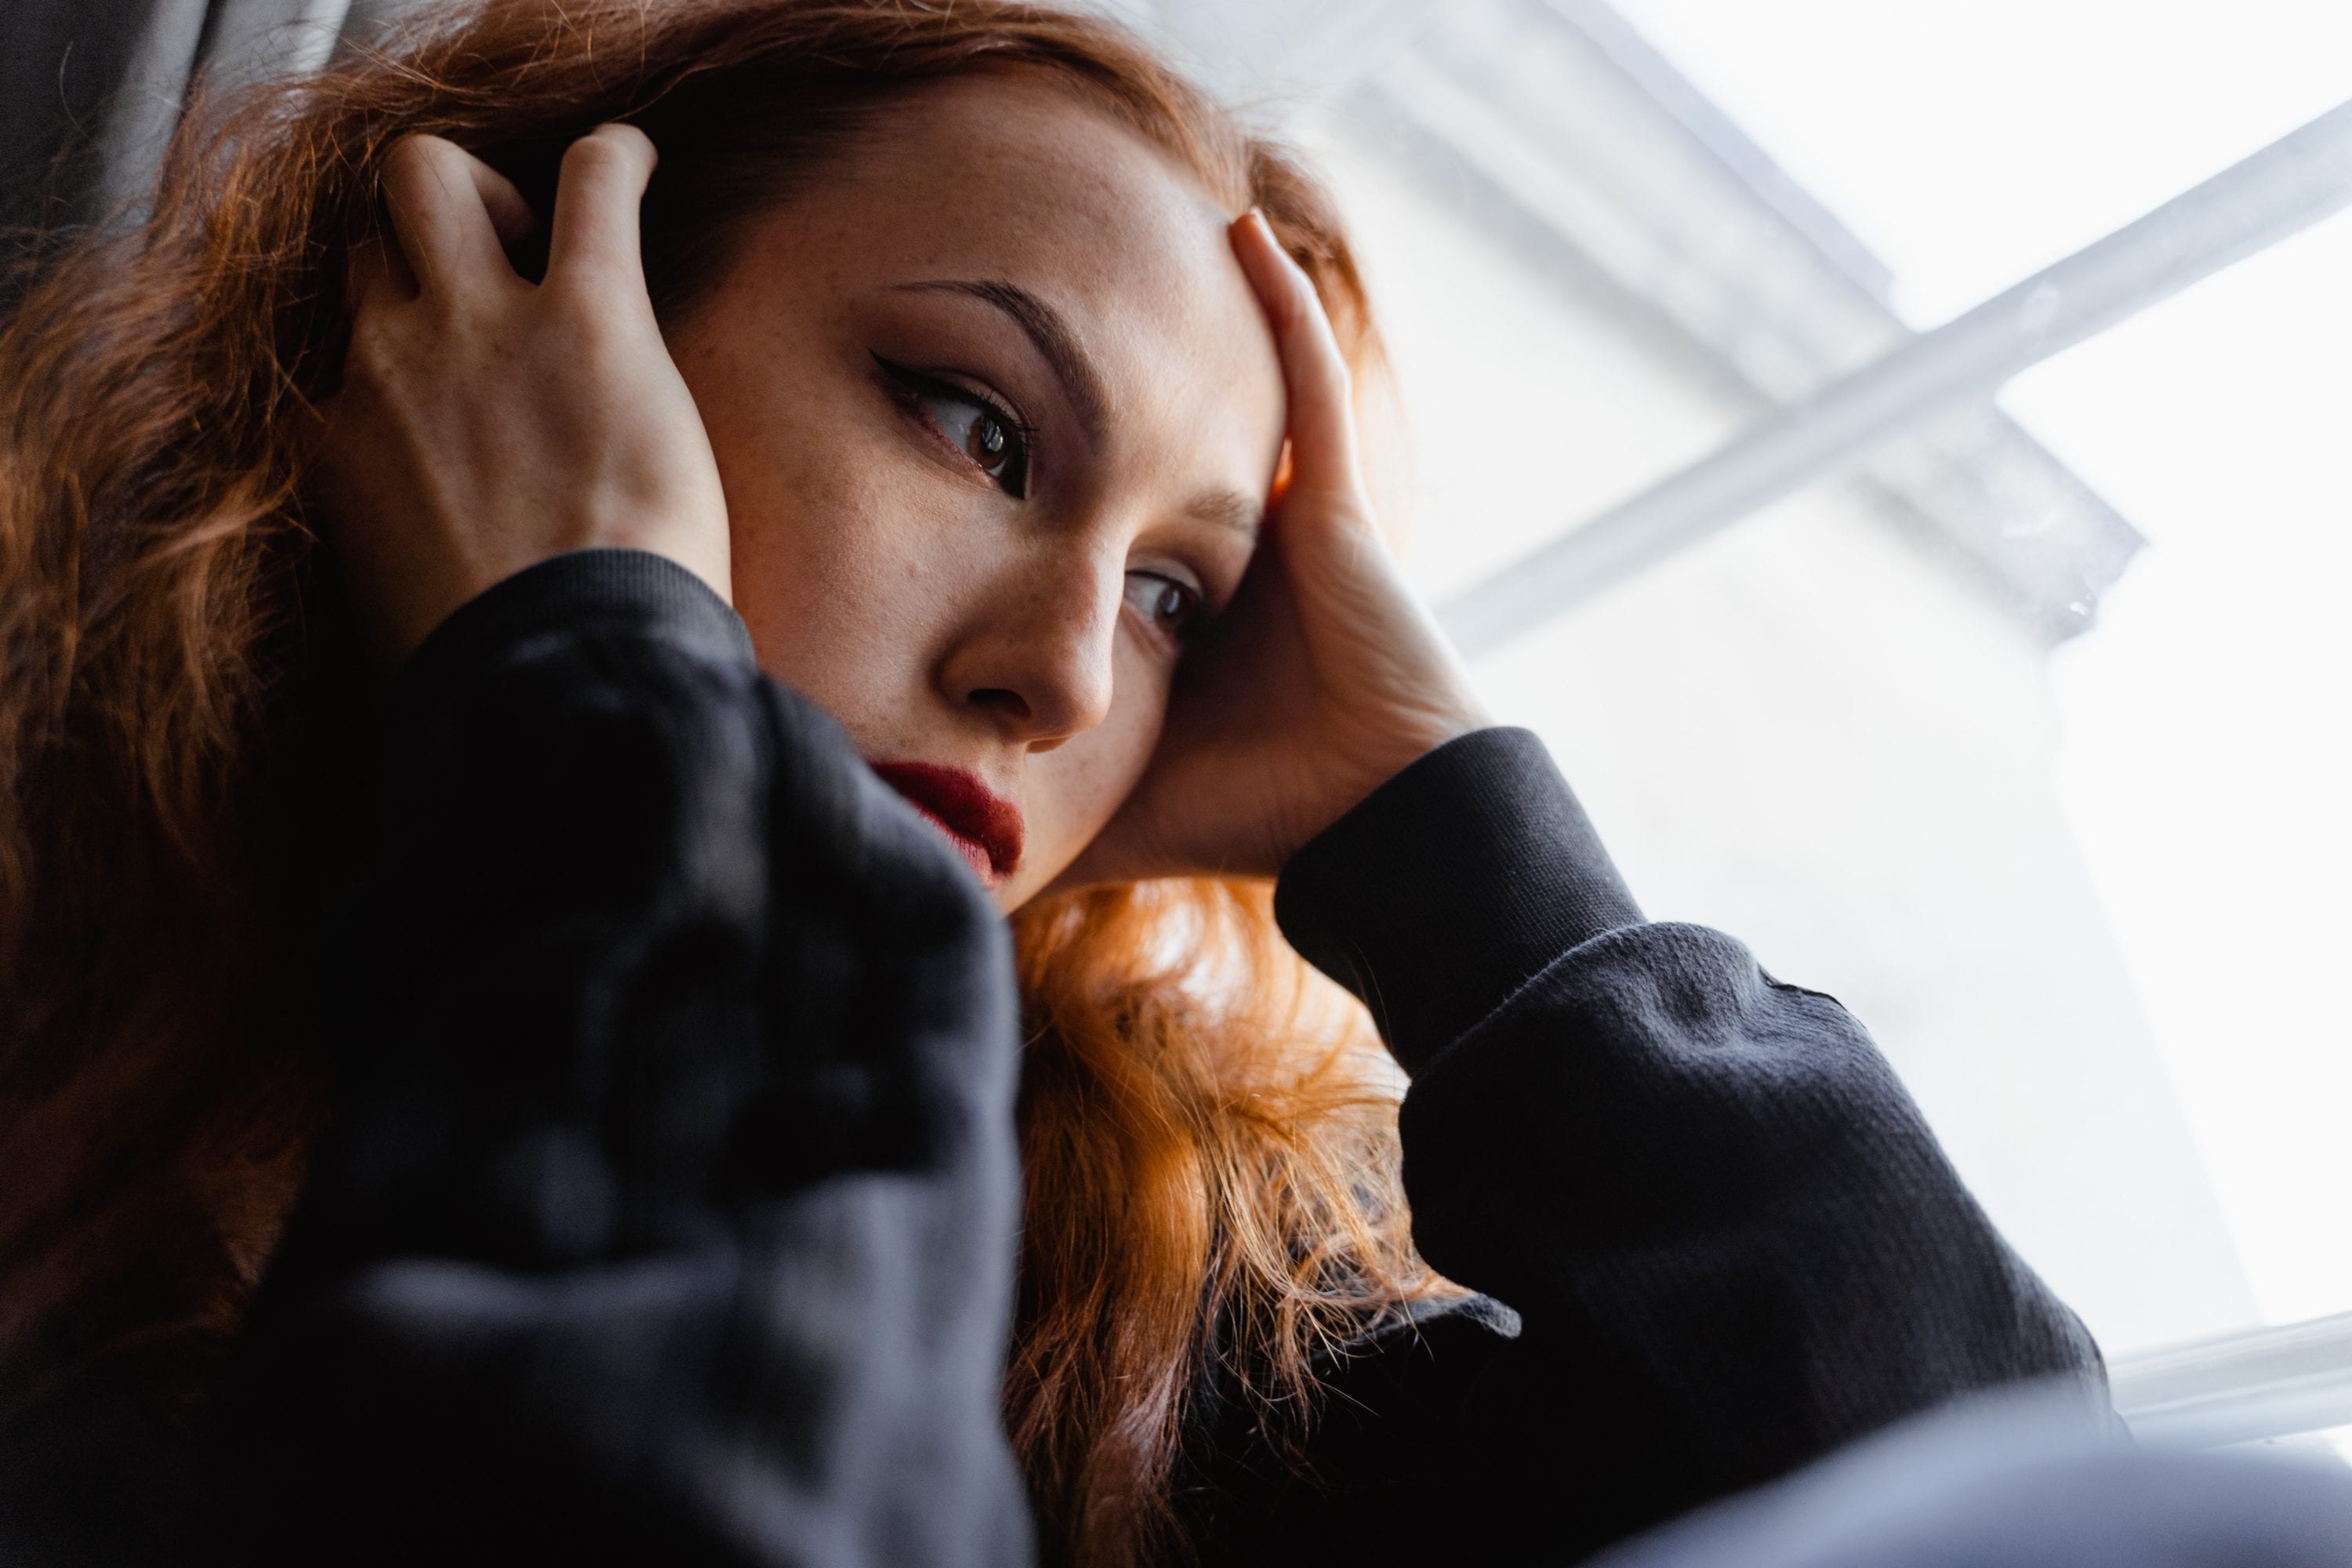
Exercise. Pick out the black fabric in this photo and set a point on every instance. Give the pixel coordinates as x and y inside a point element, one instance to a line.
<point>1453,884</point>
<point>1729,1242</point>
<point>670,1210</point>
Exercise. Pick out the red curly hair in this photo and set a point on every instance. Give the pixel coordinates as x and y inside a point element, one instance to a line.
<point>1208,1129</point>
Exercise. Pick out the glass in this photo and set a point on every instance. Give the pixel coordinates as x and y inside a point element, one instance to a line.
<point>2083,891</point>
<point>1970,146</point>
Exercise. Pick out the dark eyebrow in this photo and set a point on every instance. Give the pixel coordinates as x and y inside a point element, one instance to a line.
<point>1045,327</point>
<point>1227,509</point>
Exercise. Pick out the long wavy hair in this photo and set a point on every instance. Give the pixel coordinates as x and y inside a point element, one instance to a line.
<point>1208,1130</point>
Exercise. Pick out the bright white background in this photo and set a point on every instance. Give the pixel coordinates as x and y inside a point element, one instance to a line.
<point>2205,765</point>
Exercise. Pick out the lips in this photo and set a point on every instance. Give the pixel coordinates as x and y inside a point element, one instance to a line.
<point>984,827</point>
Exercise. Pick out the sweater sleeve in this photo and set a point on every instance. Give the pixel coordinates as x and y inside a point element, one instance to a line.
<point>1731,1242</point>
<point>670,1210</point>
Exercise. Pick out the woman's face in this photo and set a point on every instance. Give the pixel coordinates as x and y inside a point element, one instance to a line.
<point>996,413</point>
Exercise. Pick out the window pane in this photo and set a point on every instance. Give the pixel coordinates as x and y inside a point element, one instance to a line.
<point>1969,145</point>
<point>2080,883</point>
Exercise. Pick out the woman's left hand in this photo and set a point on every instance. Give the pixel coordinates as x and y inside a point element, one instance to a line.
<point>1323,679</point>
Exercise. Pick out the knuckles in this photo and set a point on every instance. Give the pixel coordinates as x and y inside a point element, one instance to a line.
<point>587,322</point>
<point>614,139</point>
<point>373,356</point>
<point>420,169</point>
<point>609,150</point>
<point>589,156</point>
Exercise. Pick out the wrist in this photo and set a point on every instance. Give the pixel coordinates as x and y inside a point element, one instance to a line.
<point>1479,845</point>
<point>1399,748</point>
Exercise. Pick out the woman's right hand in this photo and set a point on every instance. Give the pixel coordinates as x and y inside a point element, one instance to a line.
<point>1329,678</point>
<point>486,422</point>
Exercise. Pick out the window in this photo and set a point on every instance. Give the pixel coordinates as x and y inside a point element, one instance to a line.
<point>2010,710</point>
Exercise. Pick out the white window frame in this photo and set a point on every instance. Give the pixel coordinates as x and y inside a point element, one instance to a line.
<point>2293,183</point>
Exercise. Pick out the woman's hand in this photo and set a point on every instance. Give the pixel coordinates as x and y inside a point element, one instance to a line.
<point>486,422</point>
<point>1323,679</point>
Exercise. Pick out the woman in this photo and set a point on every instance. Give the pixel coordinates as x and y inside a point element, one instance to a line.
<point>928,494</point>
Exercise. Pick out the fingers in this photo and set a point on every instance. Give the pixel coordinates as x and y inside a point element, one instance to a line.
<point>450,211</point>
<point>374,271</point>
<point>453,216</point>
<point>596,199</point>
<point>1321,454</point>
<point>511,215</point>
<point>377,267</point>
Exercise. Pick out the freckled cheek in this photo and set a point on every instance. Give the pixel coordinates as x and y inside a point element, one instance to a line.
<point>1076,789</point>
<point>839,572</point>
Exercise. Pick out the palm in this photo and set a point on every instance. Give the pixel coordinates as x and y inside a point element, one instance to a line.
<point>1325,676</point>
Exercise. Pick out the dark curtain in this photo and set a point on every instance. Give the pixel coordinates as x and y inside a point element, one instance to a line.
<point>90,90</point>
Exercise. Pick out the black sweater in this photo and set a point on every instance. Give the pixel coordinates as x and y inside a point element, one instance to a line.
<point>670,1211</point>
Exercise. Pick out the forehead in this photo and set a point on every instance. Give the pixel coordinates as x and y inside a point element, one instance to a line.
<point>1014,177</point>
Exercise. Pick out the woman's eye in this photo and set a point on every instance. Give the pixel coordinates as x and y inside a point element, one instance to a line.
<point>993,441</point>
<point>974,427</point>
<point>1170,605</point>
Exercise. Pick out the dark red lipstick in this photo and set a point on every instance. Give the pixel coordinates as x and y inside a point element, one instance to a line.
<point>985,827</point>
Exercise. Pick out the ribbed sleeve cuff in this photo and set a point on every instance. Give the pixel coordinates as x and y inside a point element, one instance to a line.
<point>631,593</point>
<point>1450,885</point>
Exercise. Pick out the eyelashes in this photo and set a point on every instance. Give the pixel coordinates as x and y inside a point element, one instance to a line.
<point>1174,608</point>
<point>989,435</point>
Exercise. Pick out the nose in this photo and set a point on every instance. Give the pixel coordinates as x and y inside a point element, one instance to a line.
<point>1037,659</point>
